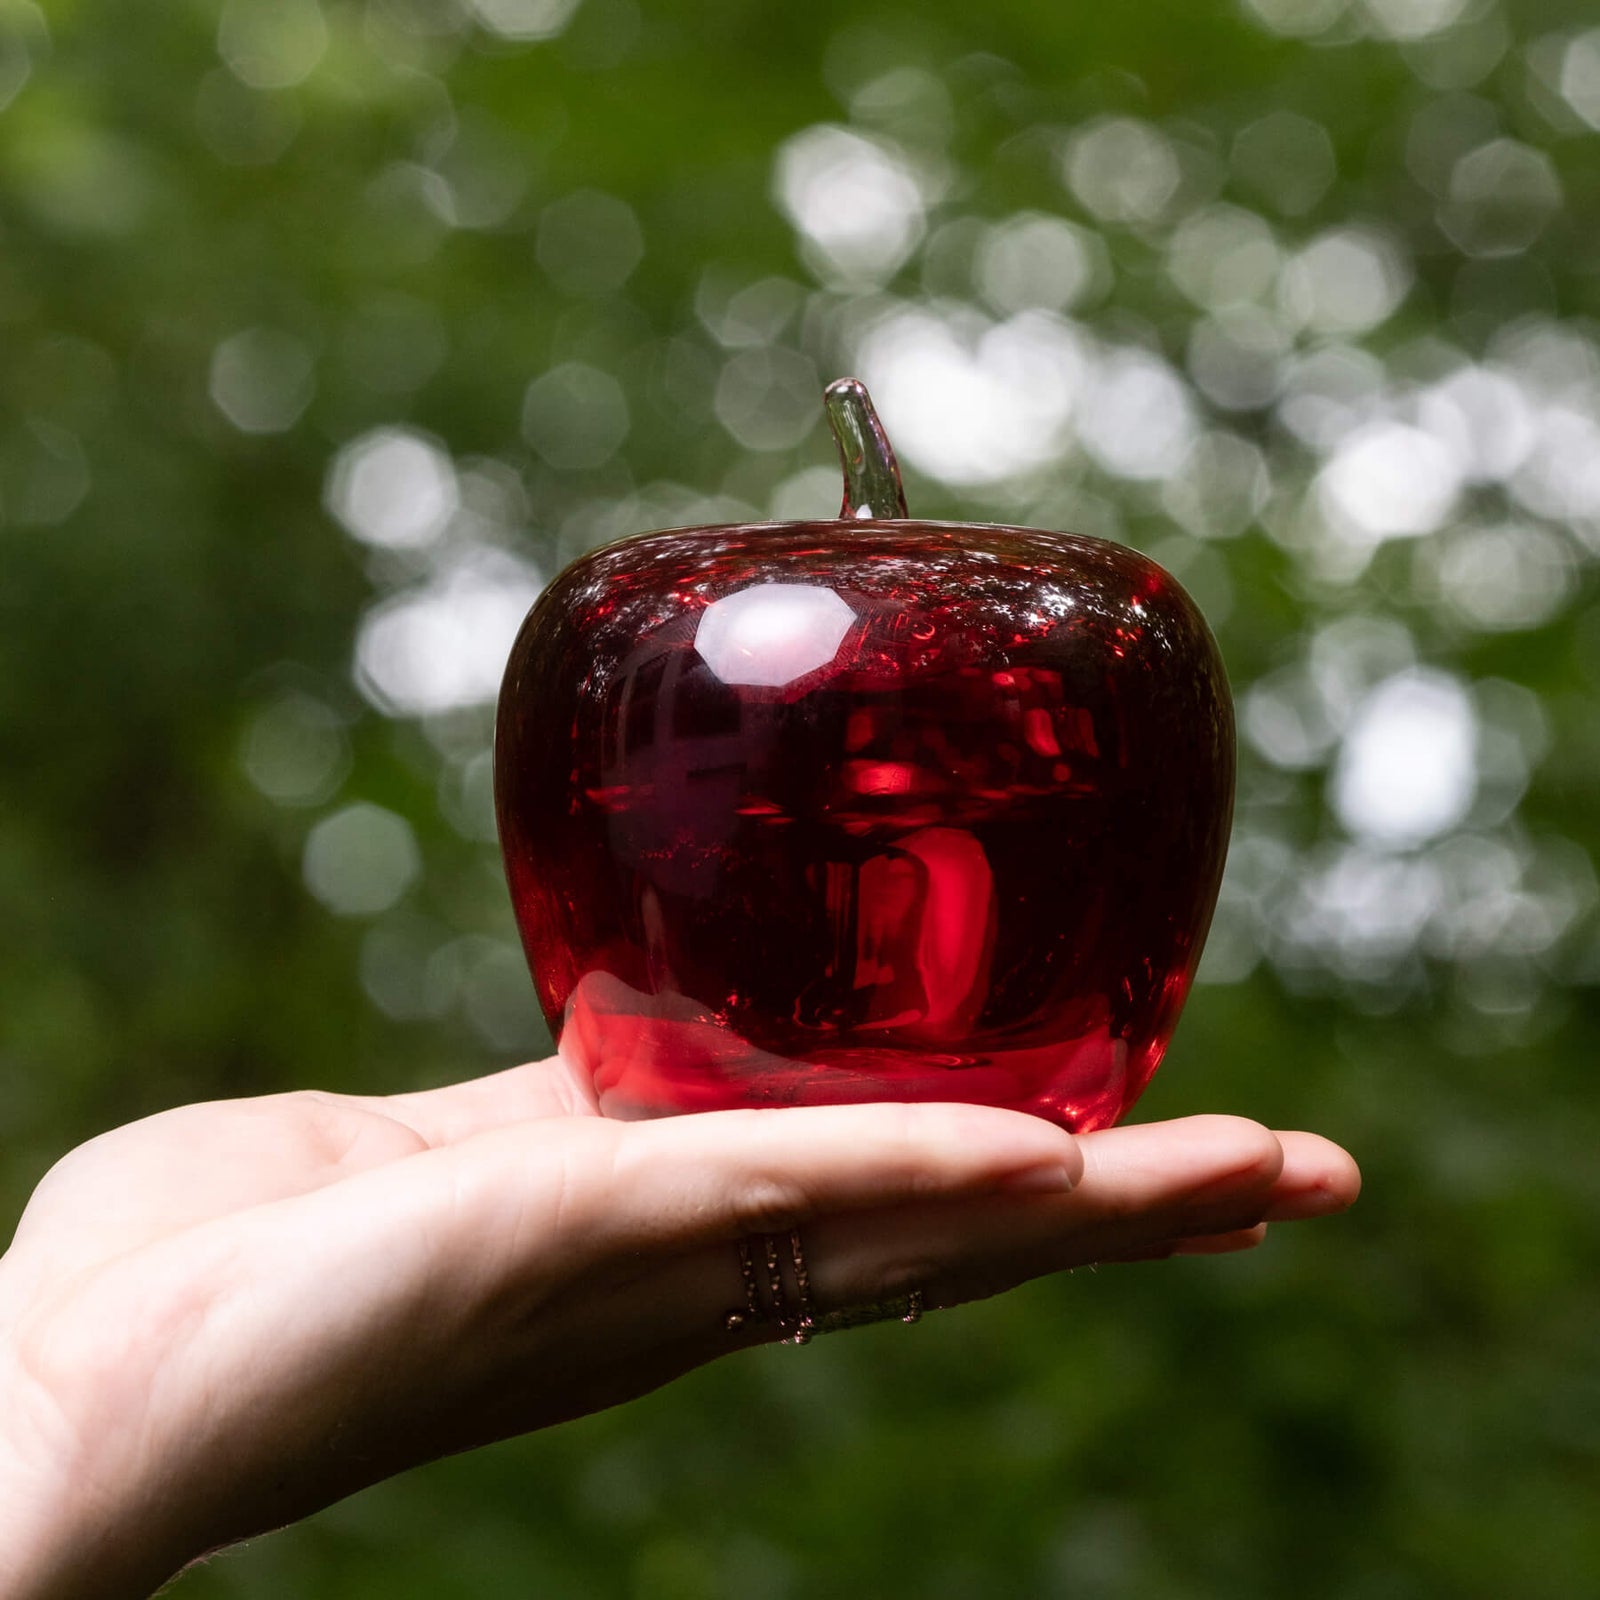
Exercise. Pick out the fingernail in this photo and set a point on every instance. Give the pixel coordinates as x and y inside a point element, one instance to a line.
<point>1051,1178</point>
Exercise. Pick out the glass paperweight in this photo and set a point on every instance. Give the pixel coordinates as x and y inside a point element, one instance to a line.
<point>864,809</point>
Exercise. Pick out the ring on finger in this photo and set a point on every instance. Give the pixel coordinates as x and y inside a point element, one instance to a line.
<point>770,1298</point>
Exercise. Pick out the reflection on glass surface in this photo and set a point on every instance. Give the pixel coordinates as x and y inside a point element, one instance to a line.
<point>772,633</point>
<point>831,811</point>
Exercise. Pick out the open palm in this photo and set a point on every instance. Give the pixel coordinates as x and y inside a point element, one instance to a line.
<point>226,1316</point>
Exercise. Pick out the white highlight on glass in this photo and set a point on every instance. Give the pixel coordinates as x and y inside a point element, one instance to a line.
<point>772,633</point>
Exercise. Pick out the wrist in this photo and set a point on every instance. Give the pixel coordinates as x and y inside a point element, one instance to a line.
<point>60,1537</point>
<point>53,1551</point>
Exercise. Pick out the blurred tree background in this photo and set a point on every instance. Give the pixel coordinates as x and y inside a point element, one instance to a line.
<point>329,329</point>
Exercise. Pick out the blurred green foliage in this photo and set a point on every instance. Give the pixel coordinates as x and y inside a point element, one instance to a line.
<point>327,327</point>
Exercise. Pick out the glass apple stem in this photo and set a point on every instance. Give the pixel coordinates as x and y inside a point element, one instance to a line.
<point>872,487</point>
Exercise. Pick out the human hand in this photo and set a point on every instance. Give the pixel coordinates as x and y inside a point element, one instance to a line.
<point>227,1316</point>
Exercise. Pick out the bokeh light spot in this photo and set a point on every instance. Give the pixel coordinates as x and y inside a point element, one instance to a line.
<point>526,20</point>
<point>295,750</point>
<point>44,474</point>
<point>1413,19</point>
<point>1141,423</point>
<point>1298,19</point>
<point>1237,358</point>
<point>1286,160</point>
<point>360,860</point>
<point>1122,169</point>
<point>1580,75</point>
<point>1345,281</point>
<point>908,102</point>
<point>1486,419</point>
<point>394,488</point>
<point>810,493</point>
<point>1501,197</point>
<point>443,646</point>
<point>262,379</point>
<point>243,126</point>
<point>769,399</point>
<point>1285,717</point>
<point>575,416</point>
<point>271,44</point>
<point>1330,393</point>
<point>589,243</point>
<point>749,316</point>
<point>1222,257</point>
<point>973,402</point>
<point>476,176</point>
<point>1407,768</point>
<point>855,201</point>
<point>1501,578</point>
<point>1390,481</point>
<point>24,40</point>
<point>1220,487</point>
<point>1036,262</point>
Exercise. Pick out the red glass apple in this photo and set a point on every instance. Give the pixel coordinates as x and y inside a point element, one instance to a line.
<point>864,809</point>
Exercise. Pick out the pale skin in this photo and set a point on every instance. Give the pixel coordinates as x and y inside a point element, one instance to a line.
<point>225,1317</point>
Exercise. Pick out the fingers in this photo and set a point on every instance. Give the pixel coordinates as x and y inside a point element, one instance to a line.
<point>571,1231</point>
<point>527,1267</point>
<point>1203,1185</point>
<point>766,1171</point>
<point>1318,1177</point>
<point>1164,1168</point>
<point>962,1201</point>
<point>767,1160</point>
<point>603,1188</point>
<point>179,1168</point>
<point>549,1267</point>
<point>457,1111</point>
<point>553,1266</point>
<point>1205,1244</point>
<point>570,1244</point>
